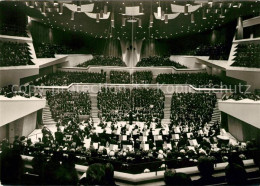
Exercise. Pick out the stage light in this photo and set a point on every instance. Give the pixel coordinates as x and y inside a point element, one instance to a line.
<point>186,11</point>
<point>97,18</point>
<point>159,12</point>
<point>140,23</point>
<point>72,16</point>
<point>61,8</point>
<point>105,9</point>
<point>123,21</point>
<point>151,18</point>
<point>192,18</point>
<point>166,19</point>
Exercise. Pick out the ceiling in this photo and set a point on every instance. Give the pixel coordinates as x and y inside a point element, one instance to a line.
<point>179,26</point>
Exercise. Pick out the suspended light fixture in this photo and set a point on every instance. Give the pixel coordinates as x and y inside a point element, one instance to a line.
<point>166,19</point>
<point>162,16</point>
<point>97,18</point>
<point>186,10</point>
<point>105,9</point>
<point>61,8</point>
<point>141,8</point>
<point>112,17</point>
<point>204,14</point>
<point>72,16</point>
<point>192,18</point>
<point>151,18</point>
<point>151,25</point>
<point>112,24</point>
<point>78,6</point>
<point>43,8</point>
<point>101,13</point>
<point>140,23</point>
<point>123,21</point>
<point>210,2</point>
<point>31,4</point>
<point>159,12</point>
<point>221,13</point>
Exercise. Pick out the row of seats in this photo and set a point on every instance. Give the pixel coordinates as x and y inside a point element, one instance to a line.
<point>241,96</point>
<point>66,78</point>
<point>67,103</point>
<point>247,55</point>
<point>14,54</point>
<point>48,50</point>
<point>103,61</point>
<point>144,104</point>
<point>219,51</point>
<point>199,80</point>
<point>158,61</point>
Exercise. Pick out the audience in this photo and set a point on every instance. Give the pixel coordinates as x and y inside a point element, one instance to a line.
<point>103,61</point>
<point>142,77</point>
<point>144,104</point>
<point>199,80</point>
<point>65,102</point>
<point>241,96</point>
<point>66,78</point>
<point>219,51</point>
<point>12,91</point>
<point>14,54</point>
<point>206,168</point>
<point>120,77</point>
<point>158,61</point>
<point>247,55</point>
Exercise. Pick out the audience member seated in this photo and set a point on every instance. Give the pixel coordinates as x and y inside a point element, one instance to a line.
<point>192,110</point>
<point>236,174</point>
<point>64,103</point>
<point>44,50</point>
<point>199,80</point>
<point>121,77</point>
<point>247,55</point>
<point>142,77</point>
<point>14,54</point>
<point>241,96</point>
<point>11,91</point>
<point>206,168</point>
<point>103,61</point>
<point>219,51</point>
<point>66,78</point>
<point>158,61</point>
<point>13,30</point>
<point>140,104</point>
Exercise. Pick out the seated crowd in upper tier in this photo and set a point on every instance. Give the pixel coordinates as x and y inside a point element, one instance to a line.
<point>66,78</point>
<point>144,104</point>
<point>158,61</point>
<point>12,30</point>
<point>247,55</point>
<point>202,80</point>
<point>218,51</point>
<point>103,61</point>
<point>14,54</point>
<point>48,50</point>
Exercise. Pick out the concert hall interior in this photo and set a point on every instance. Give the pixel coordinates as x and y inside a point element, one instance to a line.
<point>130,92</point>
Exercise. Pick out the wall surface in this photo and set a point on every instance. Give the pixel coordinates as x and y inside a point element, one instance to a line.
<point>12,109</point>
<point>245,110</point>
<point>252,77</point>
<point>12,75</point>
<point>75,59</point>
<point>189,61</point>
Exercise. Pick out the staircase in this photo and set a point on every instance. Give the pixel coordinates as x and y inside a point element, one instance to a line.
<point>167,106</point>
<point>216,115</point>
<point>46,116</point>
<point>94,109</point>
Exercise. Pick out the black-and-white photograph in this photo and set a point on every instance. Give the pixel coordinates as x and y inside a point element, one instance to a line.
<point>130,92</point>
